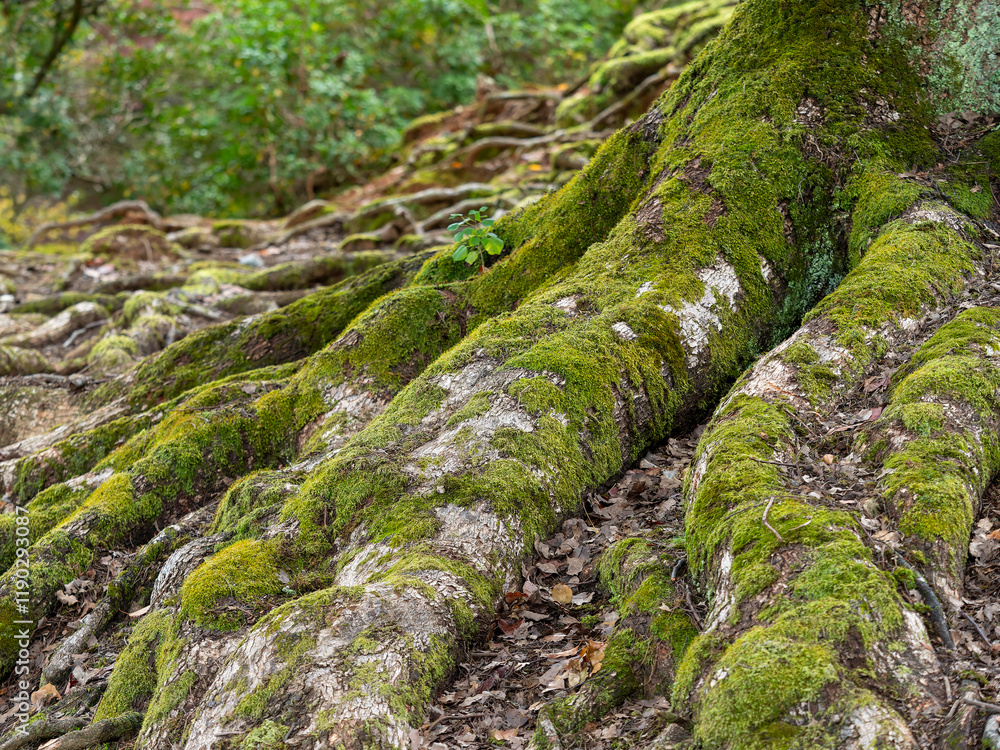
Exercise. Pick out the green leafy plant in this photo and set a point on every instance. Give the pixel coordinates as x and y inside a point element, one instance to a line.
<point>473,232</point>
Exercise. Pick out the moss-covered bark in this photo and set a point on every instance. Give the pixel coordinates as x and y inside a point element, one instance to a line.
<point>386,450</point>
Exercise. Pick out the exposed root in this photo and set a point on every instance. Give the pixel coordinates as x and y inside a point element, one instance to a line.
<point>43,730</point>
<point>106,730</point>
<point>129,210</point>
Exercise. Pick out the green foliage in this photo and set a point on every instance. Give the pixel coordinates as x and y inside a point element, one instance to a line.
<point>234,108</point>
<point>475,238</point>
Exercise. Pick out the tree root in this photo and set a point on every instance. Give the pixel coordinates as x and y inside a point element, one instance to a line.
<point>43,730</point>
<point>374,208</point>
<point>106,730</point>
<point>991,733</point>
<point>104,216</point>
<point>136,576</point>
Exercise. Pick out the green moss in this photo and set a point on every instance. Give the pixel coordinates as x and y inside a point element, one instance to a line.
<point>704,649</point>
<point>133,680</point>
<point>115,239</point>
<point>53,562</point>
<point>17,361</point>
<point>879,196</point>
<point>245,571</point>
<point>55,303</point>
<point>265,736</point>
<point>922,419</point>
<point>113,352</point>
<point>765,678</point>
<point>284,335</point>
<point>935,478</point>
<point>479,404</point>
<point>908,266</point>
<point>168,697</point>
<point>816,380</point>
<point>49,508</point>
<point>252,503</point>
<point>235,233</point>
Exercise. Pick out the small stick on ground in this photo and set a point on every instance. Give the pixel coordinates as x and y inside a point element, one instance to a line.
<point>770,502</point>
<point>979,630</point>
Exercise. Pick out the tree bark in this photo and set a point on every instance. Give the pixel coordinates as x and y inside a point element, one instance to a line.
<point>377,493</point>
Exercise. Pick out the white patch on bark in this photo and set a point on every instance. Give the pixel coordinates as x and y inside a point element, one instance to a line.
<point>874,726</point>
<point>646,287</point>
<point>698,318</point>
<point>90,480</point>
<point>455,449</point>
<point>624,332</point>
<point>359,406</point>
<point>725,597</point>
<point>183,561</point>
<point>567,304</point>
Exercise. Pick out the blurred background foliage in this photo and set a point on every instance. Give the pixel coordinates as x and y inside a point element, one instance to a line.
<point>247,107</point>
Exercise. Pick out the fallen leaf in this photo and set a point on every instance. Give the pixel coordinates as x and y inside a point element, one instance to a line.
<point>508,626</point>
<point>44,695</point>
<point>66,598</point>
<point>562,593</point>
<point>504,734</point>
<point>534,616</point>
<point>140,612</point>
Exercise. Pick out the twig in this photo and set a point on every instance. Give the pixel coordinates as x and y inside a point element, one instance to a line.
<point>978,630</point>
<point>694,611</point>
<point>80,331</point>
<point>990,708</point>
<point>675,573</point>
<point>770,502</point>
<point>930,598</point>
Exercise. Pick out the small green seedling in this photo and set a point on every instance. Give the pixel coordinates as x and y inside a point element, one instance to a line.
<point>473,232</point>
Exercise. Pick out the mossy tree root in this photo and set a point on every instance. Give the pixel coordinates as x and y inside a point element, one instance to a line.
<point>799,593</point>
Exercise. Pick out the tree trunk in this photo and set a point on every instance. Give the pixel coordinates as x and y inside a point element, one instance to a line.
<point>376,494</point>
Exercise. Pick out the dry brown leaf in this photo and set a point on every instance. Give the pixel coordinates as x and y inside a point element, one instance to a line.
<point>504,734</point>
<point>44,695</point>
<point>66,598</point>
<point>562,593</point>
